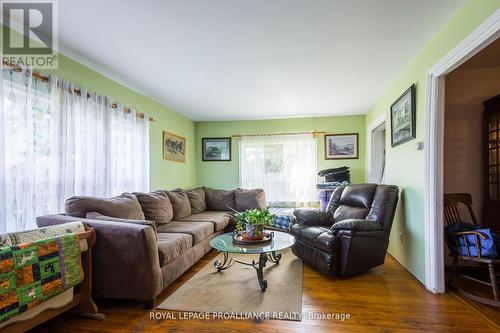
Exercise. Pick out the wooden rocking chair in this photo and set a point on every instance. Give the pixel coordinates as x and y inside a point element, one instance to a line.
<point>452,215</point>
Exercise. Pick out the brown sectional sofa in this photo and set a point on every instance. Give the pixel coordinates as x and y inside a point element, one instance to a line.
<point>147,240</point>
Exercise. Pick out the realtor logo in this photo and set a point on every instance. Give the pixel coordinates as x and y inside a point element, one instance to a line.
<point>29,34</point>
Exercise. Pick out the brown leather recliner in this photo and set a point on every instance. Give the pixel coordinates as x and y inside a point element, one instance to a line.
<point>352,234</point>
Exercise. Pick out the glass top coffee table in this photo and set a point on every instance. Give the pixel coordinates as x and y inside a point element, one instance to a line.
<point>267,251</point>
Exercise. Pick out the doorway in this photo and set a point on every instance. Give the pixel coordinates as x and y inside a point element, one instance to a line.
<point>470,175</point>
<point>479,39</point>
<point>375,150</point>
<point>378,154</point>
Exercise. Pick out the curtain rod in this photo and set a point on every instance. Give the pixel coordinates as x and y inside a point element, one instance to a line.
<point>77,91</point>
<point>315,133</point>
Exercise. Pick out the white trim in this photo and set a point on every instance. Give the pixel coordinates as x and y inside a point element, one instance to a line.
<point>369,142</point>
<point>482,36</point>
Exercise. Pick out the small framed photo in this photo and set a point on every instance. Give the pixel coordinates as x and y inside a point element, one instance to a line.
<point>216,149</point>
<point>403,118</point>
<point>174,147</point>
<point>341,146</point>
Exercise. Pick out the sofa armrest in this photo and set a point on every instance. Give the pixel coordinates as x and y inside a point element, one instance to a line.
<point>357,225</point>
<point>99,216</point>
<point>125,258</point>
<point>56,219</point>
<point>126,261</point>
<point>312,216</point>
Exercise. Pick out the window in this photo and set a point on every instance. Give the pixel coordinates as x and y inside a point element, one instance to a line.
<point>55,143</point>
<point>284,165</point>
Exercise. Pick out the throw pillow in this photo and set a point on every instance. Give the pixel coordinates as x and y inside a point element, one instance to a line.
<point>488,245</point>
<point>249,199</point>
<point>219,199</point>
<point>156,206</point>
<point>197,199</point>
<point>180,203</point>
<point>125,206</point>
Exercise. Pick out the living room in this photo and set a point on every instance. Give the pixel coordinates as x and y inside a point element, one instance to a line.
<point>235,165</point>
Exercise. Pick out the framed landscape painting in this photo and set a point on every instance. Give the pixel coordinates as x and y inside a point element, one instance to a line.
<point>174,147</point>
<point>403,116</point>
<point>341,146</point>
<point>216,149</point>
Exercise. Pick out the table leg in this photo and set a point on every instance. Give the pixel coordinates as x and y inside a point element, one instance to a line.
<point>260,271</point>
<point>274,257</point>
<point>224,264</point>
<point>259,266</point>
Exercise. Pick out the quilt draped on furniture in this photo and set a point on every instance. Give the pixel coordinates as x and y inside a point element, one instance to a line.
<point>33,272</point>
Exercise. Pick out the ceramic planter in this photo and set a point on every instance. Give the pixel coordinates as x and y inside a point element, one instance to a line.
<point>254,231</point>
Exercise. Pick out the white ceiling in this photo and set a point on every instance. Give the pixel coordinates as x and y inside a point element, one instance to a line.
<point>242,59</point>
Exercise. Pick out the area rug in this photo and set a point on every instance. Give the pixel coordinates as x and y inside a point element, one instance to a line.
<point>236,292</point>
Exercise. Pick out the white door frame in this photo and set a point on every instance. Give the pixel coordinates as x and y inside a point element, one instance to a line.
<point>369,143</point>
<point>486,33</point>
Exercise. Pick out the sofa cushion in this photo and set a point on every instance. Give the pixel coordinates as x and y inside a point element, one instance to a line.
<point>199,230</point>
<point>180,203</point>
<point>219,219</point>
<point>125,206</point>
<point>156,206</point>
<point>219,199</point>
<point>197,199</point>
<point>172,245</point>
<point>249,199</point>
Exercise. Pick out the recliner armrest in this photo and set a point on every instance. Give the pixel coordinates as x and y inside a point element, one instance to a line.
<point>357,225</point>
<point>312,216</point>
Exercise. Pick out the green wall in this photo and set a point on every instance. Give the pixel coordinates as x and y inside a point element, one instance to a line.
<point>405,164</point>
<point>226,174</point>
<point>163,174</point>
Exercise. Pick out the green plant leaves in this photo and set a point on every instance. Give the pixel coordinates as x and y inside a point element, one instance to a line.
<point>253,217</point>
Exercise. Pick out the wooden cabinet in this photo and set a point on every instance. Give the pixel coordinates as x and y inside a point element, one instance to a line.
<point>491,209</point>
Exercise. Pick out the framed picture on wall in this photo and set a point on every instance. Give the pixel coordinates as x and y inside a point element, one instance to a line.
<point>216,149</point>
<point>403,118</point>
<point>174,147</point>
<point>341,146</point>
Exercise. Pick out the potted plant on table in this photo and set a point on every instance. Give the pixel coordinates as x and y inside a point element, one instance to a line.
<point>252,221</point>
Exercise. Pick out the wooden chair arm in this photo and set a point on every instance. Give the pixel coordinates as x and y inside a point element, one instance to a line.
<point>472,232</point>
<point>89,234</point>
<point>463,235</point>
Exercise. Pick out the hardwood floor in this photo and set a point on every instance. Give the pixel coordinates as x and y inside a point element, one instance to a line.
<point>387,299</point>
<point>490,312</point>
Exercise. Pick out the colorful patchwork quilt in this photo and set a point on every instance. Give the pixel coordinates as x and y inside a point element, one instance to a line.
<point>33,272</point>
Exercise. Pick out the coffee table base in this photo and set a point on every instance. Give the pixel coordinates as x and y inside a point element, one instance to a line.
<point>259,266</point>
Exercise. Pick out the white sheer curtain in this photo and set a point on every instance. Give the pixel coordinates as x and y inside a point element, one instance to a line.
<point>284,165</point>
<point>55,143</point>
<point>129,156</point>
